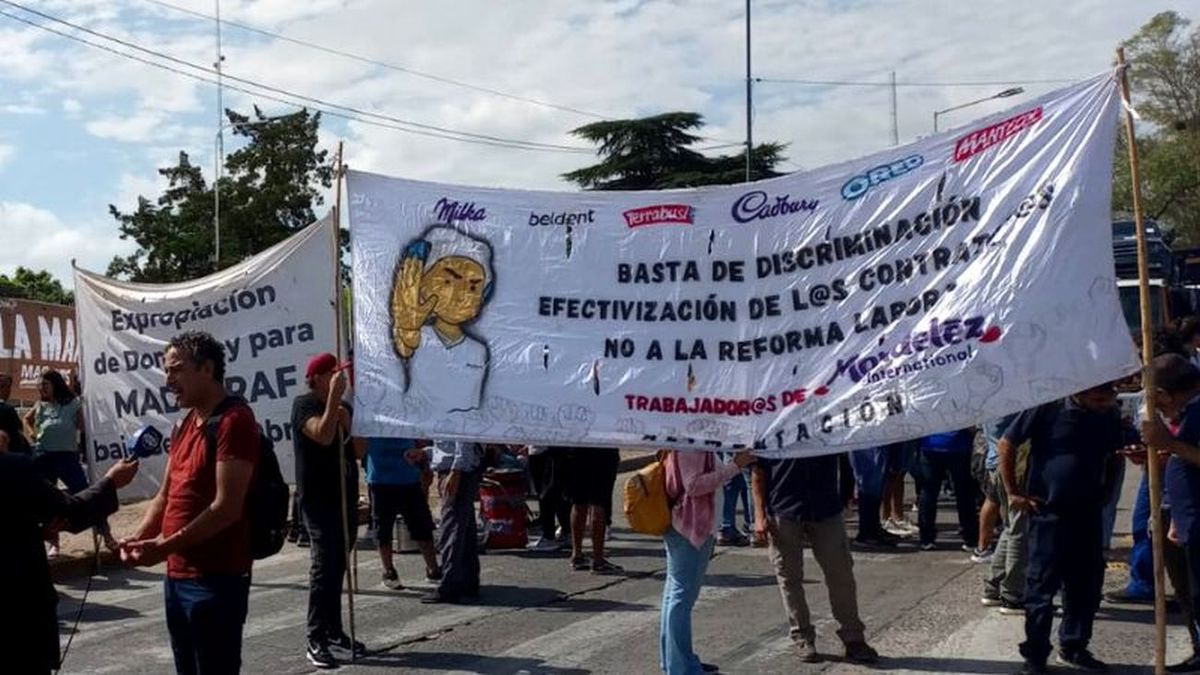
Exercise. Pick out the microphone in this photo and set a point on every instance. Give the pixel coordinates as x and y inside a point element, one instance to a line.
<point>144,442</point>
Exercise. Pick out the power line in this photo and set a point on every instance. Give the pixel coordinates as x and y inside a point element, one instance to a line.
<point>326,107</point>
<point>382,64</point>
<point>398,68</point>
<point>866,83</point>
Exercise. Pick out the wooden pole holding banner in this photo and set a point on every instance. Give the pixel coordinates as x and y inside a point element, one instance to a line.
<point>341,438</point>
<point>1153,470</point>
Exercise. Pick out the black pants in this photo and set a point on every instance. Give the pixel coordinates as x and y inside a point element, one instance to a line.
<point>1064,552</point>
<point>931,472</point>
<point>298,518</point>
<point>327,572</point>
<point>458,538</point>
<point>1183,566</point>
<point>547,472</point>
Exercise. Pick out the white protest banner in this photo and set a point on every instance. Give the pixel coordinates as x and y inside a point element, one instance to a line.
<point>273,312</point>
<point>922,289</point>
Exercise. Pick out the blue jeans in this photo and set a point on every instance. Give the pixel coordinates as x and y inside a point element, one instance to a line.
<point>736,488</point>
<point>205,618</point>
<point>870,469</point>
<point>686,565</point>
<point>1141,558</point>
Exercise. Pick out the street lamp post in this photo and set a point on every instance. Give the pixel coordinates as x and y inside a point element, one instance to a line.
<point>1003,94</point>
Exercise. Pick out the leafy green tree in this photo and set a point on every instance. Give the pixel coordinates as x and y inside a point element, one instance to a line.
<point>268,191</point>
<point>41,286</point>
<point>654,153</point>
<point>1164,77</point>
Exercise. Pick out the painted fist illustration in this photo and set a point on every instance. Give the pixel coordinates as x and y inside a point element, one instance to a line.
<point>410,311</point>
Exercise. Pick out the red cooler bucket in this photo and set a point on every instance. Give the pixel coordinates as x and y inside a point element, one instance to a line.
<point>502,503</point>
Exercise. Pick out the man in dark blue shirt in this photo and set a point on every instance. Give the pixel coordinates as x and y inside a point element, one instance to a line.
<point>1177,396</point>
<point>1070,441</point>
<point>797,500</point>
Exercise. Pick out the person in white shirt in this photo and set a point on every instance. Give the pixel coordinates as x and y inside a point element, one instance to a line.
<point>442,283</point>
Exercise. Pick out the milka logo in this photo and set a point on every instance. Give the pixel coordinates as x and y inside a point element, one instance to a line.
<point>939,334</point>
<point>450,211</point>
<point>757,205</point>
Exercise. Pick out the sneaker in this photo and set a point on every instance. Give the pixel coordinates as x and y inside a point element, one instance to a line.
<point>1032,668</point>
<point>980,556</point>
<point>988,601</point>
<point>861,652</point>
<point>434,574</point>
<point>436,597</point>
<point>733,539</point>
<point>319,655</point>
<point>392,580</point>
<point>545,545</point>
<point>1081,659</point>
<point>354,648</point>
<point>880,540</point>
<point>1011,608</point>
<point>893,526</point>
<point>1124,597</point>
<point>967,548</point>
<point>1191,665</point>
<point>303,541</point>
<point>52,551</point>
<point>581,563</point>
<point>602,566</point>
<point>709,668</point>
<point>929,546</point>
<point>808,651</point>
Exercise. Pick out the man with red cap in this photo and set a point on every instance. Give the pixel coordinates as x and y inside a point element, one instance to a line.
<point>321,433</point>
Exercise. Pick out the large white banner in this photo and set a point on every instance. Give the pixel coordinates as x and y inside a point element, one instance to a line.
<point>273,312</point>
<point>921,289</point>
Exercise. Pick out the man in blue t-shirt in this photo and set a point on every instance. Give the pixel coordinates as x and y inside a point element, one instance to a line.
<point>1177,396</point>
<point>1069,443</point>
<point>393,468</point>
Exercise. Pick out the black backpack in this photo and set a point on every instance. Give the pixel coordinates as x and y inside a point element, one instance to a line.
<point>268,497</point>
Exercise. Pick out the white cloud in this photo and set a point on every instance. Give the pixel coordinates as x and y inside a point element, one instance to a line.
<point>49,243</point>
<point>71,107</point>
<point>6,154</point>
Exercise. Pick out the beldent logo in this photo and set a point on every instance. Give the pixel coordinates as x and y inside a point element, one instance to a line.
<point>449,211</point>
<point>567,218</point>
<point>977,141</point>
<point>662,214</point>
<point>757,205</point>
<point>861,184</point>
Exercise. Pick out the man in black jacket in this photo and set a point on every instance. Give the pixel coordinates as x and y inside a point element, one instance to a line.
<point>28,505</point>
<point>10,422</point>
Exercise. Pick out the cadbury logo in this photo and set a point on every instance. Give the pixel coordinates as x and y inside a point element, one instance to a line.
<point>977,141</point>
<point>449,211</point>
<point>757,205</point>
<point>679,214</point>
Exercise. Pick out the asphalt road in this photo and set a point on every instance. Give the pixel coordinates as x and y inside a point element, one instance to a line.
<point>537,616</point>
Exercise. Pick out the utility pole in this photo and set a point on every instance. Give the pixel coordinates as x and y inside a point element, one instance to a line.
<point>895,117</point>
<point>219,146</point>
<point>749,98</point>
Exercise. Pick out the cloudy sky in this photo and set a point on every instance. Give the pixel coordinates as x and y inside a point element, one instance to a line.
<point>81,128</point>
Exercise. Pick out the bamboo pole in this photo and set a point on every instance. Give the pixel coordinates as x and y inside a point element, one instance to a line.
<point>1153,469</point>
<point>341,438</point>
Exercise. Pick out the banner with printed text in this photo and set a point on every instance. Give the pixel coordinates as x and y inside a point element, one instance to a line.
<point>35,337</point>
<point>273,312</point>
<point>919,290</point>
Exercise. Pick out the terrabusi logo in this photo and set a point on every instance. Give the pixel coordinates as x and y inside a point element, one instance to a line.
<point>661,214</point>
<point>863,183</point>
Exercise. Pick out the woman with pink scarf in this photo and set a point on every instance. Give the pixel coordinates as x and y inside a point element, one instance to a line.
<point>693,479</point>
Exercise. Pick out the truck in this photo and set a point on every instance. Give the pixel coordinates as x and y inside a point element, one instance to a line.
<point>1174,276</point>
